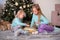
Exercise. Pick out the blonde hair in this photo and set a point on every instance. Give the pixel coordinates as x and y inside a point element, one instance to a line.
<point>39,10</point>
<point>20,12</point>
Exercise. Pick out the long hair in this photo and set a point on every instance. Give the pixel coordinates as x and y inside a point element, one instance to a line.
<point>39,10</point>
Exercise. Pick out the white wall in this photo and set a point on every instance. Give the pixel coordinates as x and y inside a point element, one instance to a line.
<point>47,6</point>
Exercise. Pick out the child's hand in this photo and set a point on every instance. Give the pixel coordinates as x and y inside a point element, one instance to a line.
<point>37,22</point>
<point>27,25</point>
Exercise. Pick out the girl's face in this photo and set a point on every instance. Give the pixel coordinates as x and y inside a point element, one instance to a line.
<point>35,11</point>
<point>21,16</point>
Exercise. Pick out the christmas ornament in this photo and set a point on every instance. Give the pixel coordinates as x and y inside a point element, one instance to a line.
<point>24,6</point>
<point>20,7</point>
<point>16,3</point>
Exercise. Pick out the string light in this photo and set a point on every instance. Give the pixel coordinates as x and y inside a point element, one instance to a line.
<point>28,5</point>
<point>6,10</point>
<point>20,7</point>
<point>16,3</point>
<point>24,6</point>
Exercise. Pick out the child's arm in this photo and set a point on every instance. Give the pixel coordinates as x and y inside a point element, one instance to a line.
<point>44,20</point>
<point>21,24</point>
<point>18,22</point>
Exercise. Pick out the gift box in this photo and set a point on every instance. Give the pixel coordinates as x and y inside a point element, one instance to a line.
<point>30,30</point>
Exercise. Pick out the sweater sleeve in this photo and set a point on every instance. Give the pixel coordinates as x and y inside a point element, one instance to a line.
<point>20,23</point>
<point>44,20</point>
<point>17,21</point>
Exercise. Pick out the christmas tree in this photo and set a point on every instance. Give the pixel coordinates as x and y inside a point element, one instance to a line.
<point>12,6</point>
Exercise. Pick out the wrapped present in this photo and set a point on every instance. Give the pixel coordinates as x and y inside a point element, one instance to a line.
<point>30,30</point>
